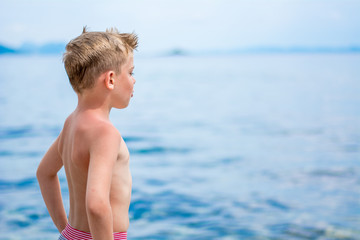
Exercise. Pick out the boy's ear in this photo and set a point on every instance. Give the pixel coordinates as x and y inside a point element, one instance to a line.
<point>110,80</point>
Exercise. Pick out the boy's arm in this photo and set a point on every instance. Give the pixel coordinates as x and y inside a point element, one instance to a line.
<point>50,185</point>
<point>104,150</point>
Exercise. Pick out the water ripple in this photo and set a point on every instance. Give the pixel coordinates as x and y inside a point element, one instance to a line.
<point>129,139</point>
<point>297,231</point>
<point>335,173</point>
<point>160,150</point>
<point>28,131</point>
<point>7,153</point>
<point>18,132</point>
<point>18,184</point>
<point>277,204</point>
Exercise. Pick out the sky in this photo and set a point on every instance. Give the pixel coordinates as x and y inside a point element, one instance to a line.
<point>187,24</point>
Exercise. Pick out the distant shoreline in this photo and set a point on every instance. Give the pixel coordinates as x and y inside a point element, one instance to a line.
<point>59,48</point>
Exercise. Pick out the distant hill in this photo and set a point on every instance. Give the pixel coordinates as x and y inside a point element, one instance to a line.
<point>4,50</point>
<point>30,48</point>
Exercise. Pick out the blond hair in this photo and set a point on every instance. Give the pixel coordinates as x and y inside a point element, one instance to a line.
<point>92,53</point>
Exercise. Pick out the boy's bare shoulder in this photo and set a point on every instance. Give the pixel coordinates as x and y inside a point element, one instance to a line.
<point>102,131</point>
<point>105,129</point>
<point>91,128</point>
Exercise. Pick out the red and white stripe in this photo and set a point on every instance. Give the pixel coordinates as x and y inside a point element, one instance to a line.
<point>71,233</point>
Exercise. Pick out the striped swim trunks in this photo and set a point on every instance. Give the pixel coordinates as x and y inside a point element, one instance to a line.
<point>70,233</point>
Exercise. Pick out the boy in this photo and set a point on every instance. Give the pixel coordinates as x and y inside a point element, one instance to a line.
<point>96,160</point>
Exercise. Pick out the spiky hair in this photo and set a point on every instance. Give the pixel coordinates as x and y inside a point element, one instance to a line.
<point>92,53</point>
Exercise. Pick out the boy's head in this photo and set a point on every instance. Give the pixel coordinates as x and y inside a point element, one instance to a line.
<point>93,53</point>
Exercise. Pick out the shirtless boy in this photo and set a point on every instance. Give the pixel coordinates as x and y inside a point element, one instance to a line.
<point>95,157</point>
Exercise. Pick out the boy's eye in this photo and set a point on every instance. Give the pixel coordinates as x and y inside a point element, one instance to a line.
<point>132,73</point>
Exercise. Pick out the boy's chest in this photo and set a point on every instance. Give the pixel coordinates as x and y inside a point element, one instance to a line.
<point>124,154</point>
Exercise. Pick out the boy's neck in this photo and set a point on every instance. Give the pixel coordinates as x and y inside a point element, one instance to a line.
<point>94,105</point>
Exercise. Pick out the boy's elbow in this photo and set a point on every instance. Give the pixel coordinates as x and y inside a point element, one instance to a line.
<point>43,174</point>
<point>39,173</point>
<point>97,207</point>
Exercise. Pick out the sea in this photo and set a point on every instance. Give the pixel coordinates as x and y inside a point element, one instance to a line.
<point>231,146</point>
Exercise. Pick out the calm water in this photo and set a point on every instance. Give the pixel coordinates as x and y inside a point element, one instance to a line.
<point>231,147</point>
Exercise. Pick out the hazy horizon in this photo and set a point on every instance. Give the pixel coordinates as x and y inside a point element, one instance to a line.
<point>192,25</point>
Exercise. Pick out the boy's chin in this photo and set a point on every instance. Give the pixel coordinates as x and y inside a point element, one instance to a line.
<point>121,106</point>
